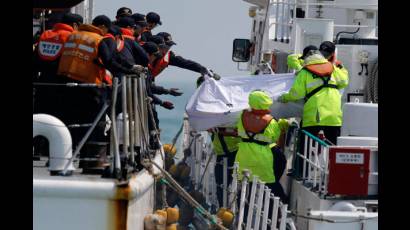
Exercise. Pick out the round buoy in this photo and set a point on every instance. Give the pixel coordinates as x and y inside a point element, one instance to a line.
<point>226,216</point>
<point>172,227</point>
<point>170,150</point>
<point>172,215</point>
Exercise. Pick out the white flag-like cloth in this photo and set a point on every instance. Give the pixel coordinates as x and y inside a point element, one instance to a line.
<point>219,103</point>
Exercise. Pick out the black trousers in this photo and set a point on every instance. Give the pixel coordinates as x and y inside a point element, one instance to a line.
<point>219,174</point>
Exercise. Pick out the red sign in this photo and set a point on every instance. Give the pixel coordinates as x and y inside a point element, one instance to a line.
<point>348,171</point>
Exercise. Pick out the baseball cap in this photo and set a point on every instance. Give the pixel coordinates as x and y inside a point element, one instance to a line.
<point>102,20</point>
<point>307,49</point>
<point>124,11</point>
<point>70,18</point>
<point>126,21</point>
<point>150,47</point>
<point>167,38</point>
<point>153,17</point>
<point>327,48</point>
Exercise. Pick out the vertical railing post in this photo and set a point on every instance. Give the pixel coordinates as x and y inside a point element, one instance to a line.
<point>274,217</point>
<point>124,116</point>
<point>252,202</point>
<point>259,204</point>
<point>266,208</point>
<point>130,120</point>
<point>284,210</point>
<point>305,150</point>
<point>114,134</point>
<point>137,126</point>
<point>245,177</point>
<point>234,188</point>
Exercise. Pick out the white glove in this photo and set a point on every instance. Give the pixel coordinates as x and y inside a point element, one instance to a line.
<point>137,68</point>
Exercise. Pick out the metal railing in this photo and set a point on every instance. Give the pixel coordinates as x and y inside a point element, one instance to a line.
<point>258,197</point>
<point>314,159</point>
<point>134,136</point>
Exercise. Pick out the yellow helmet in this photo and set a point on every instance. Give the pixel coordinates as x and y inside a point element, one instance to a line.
<point>259,100</point>
<point>169,149</point>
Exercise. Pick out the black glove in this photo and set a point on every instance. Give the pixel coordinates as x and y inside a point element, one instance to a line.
<point>214,75</point>
<point>167,105</point>
<point>175,92</point>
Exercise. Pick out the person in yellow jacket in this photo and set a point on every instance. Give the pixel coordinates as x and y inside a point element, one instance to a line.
<point>258,151</point>
<point>319,82</point>
<point>225,144</point>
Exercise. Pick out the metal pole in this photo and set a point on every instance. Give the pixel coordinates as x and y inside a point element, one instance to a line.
<point>266,208</point>
<point>234,187</point>
<point>310,158</point>
<point>305,155</point>
<point>259,204</point>
<point>130,121</point>
<point>137,118</point>
<point>124,116</point>
<point>251,202</point>
<point>82,142</point>
<point>282,21</point>
<point>276,20</point>
<point>225,181</point>
<point>274,217</point>
<point>283,209</point>
<point>245,174</point>
<point>326,171</point>
<point>114,135</point>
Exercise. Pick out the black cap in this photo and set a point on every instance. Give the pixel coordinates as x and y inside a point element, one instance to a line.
<point>114,30</point>
<point>307,49</point>
<point>327,48</point>
<point>124,11</point>
<point>102,20</point>
<point>150,47</point>
<point>126,22</point>
<point>153,17</point>
<point>139,19</point>
<point>167,38</point>
<point>157,40</point>
<point>70,18</point>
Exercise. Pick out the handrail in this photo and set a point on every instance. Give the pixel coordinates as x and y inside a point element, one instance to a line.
<point>315,138</point>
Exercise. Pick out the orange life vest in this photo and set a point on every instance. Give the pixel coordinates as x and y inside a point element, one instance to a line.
<point>118,40</point>
<point>127,33</point>
<point>256,121</point>
<point>324,72</point>
<point>51,42</point>
<point>80,53</point>
<point>160,65</point>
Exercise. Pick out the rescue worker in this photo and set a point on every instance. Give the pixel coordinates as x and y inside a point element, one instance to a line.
<point>45,63</point>
<point>122,12</point>
<point>169,58</point>
<point>141,24</point>
<point>319,82</point>
<point>46,56</point>
<point>295,61</point>
<point>258,152</point>
<point>84,60</point>
<point>153,53</point>
<point>132,54</point>
<point>225,145</point>
<point>153,20</point>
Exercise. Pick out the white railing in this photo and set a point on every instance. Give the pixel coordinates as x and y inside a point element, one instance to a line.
<point>202,161</point>
<point>315,158</point>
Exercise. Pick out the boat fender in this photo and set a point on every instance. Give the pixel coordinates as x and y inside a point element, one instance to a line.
<point>154,222</point>
<point>226,216</point>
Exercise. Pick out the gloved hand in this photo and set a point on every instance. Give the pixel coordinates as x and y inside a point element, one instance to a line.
<point>212,74</point>
<point>167,105</point>
<point>137,68</point>
<point>175,92</point>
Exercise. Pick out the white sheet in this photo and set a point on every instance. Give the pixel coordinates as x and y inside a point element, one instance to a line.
<point>219,103</point>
